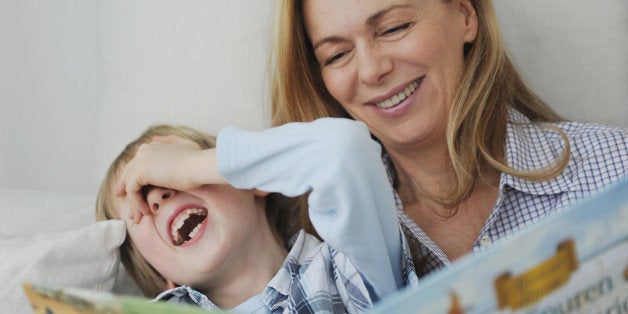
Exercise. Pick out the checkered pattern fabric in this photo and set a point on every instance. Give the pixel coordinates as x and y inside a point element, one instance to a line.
<point>598,157</point>
<point>314,278</point>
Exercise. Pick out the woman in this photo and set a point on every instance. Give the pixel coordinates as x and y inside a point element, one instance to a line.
<point>472,152</point>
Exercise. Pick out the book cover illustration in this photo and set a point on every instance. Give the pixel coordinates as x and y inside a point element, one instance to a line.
<point>50,300</point>
<point>575,261</point>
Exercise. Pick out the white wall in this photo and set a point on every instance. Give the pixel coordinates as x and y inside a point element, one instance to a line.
<point>48,93</point>
<point>80,78</point>
<point>195,62</point>
<point>574,53</point>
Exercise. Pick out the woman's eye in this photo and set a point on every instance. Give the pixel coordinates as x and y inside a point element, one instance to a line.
<point>396,29</point>
<point>331,60</point>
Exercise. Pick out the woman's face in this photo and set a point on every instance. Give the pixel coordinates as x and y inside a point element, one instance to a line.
<point>393,64</point>
<point>202,237</point>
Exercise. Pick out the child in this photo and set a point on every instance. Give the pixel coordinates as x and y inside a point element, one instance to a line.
<point>219,245</point>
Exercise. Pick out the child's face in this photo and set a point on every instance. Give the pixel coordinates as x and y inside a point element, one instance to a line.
<point>202,237</point>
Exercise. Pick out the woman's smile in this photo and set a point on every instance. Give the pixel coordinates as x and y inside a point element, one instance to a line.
<point>398,97</point>
<point>400,102</point>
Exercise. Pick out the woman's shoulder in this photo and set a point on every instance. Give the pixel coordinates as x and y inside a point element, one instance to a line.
<point>543,141</point>
<point>596,140</point>
<point>575,129</point>
<point>598,153</point>
<point>584,130</point>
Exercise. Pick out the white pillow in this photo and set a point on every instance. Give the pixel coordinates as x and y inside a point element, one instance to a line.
<point>83,258</point>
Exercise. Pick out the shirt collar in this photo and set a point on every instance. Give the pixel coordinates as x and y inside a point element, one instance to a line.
<point>532,146</point>
<point>277,290</point>
<point>185,294</point>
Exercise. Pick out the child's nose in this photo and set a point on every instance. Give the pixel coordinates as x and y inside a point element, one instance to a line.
<point>157,197</point>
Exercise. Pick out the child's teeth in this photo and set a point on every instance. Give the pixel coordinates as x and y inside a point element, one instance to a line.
<point>195,231</point>
<point>179,222</point>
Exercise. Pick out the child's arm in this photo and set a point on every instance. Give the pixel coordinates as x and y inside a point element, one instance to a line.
<point>351,202</point>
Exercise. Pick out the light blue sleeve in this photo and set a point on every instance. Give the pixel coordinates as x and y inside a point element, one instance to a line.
<point>351,203</point>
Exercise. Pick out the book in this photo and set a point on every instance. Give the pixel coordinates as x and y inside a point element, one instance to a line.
<point>56,300</point>
<point>573,261</point>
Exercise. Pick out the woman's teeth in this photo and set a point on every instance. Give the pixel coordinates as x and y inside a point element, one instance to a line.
<point>394,100</point>
<point>187,225</point>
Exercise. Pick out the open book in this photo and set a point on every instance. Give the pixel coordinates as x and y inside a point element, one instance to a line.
<point>50,300</point>
<point>575,261</point>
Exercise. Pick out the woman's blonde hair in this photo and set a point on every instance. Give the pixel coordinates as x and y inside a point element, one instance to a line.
<point>476,131</point>
<point>148,279</point>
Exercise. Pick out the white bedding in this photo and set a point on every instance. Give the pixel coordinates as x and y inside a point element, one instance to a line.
<point>51,238</point>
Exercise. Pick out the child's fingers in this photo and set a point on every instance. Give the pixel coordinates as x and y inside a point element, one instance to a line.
<point>135,199</point>
<point>132,192</point>
<point>129,212</point>
<point>137,203</point>
<point>136,216</point>
<point>121,187</point>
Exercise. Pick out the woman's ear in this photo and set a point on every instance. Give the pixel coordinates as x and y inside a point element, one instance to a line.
<point>471,20</point>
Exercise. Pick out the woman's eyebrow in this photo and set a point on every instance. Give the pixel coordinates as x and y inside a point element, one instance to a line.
<point>373,19</point>
<point>330,39</point>
<point>370,21</point>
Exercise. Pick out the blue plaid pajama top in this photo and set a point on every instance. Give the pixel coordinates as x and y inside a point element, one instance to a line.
<point>314,278</point>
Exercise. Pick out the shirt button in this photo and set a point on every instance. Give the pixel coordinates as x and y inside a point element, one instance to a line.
<point>485,241</point>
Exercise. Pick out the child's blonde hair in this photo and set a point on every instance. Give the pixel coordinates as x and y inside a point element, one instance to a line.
<point>148,279</point>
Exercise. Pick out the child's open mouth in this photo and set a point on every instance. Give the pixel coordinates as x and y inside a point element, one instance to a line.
<point>187,224</point>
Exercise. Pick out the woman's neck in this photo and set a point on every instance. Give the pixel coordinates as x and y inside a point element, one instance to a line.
<point>422,172</point>
<point>453,229</point>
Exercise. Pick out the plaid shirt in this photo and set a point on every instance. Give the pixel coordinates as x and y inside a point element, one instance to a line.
<point>598,157</point>
<point>314,278</point>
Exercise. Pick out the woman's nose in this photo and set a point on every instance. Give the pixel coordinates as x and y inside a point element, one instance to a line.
<point>157,197</point>
<point>374,64</point>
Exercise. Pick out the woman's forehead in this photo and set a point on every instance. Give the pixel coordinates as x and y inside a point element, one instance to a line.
<point>327,17</point>
<point>354,9</point>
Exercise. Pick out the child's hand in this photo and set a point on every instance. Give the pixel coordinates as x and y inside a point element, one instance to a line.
<point>169,162</point>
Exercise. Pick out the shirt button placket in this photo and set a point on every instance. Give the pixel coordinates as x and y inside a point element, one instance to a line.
<point>485,241</point>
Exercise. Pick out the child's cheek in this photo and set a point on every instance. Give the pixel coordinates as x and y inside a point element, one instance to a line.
<point>144,234</point>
